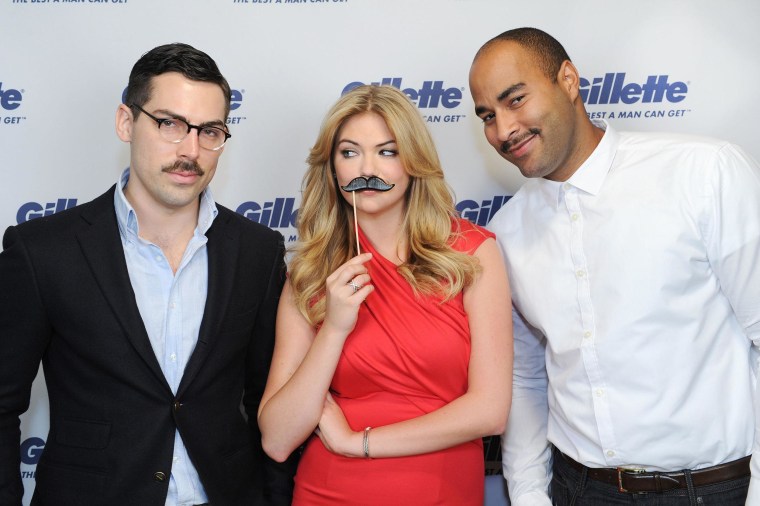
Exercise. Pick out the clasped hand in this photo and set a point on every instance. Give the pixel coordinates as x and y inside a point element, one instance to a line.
<point>335,432</point>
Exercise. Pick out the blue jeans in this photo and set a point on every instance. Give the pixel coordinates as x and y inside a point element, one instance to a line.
<point>570,487</point>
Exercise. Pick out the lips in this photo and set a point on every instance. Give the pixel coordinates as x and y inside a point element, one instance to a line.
<point>183,171</point>
<point>183,176</point>
<point>521,148</point>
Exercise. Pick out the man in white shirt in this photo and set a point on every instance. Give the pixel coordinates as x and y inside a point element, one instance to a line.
<point>634,261</point>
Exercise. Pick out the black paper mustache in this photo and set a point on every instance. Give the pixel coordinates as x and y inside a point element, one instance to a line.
<point>362,183</point>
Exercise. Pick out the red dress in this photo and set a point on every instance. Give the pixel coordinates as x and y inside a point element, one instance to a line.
<point>406,357</point>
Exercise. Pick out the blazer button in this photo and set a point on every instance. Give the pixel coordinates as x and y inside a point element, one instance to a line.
<point>176,405</point>
<point>159,476</point>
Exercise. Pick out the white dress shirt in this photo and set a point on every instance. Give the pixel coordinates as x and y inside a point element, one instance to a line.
<point>636,292</point>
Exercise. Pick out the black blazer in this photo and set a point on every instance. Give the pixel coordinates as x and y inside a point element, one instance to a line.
<point>66,299</point>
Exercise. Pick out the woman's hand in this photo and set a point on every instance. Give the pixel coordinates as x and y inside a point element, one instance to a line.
<point>345,290</point>
<point>335,433</point>
<point>305,358</point>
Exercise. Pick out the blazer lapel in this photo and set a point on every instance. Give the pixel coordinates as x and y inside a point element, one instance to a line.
<point>223,246</point>
<point>104,252</point>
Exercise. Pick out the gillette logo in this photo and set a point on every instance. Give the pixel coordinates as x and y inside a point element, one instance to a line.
<point>481,214</point>
<point>32,210</point>
<point>31,449</point>
<point>277,214</point>
<point>10,99</point>
<point>236,99</point>
<point>613,89</point>
<point>431,94</point>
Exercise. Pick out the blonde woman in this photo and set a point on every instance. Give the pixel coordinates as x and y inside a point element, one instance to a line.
<point>393,363</point>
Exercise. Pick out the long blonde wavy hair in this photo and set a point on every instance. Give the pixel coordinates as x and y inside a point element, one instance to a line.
<point>325,219</point>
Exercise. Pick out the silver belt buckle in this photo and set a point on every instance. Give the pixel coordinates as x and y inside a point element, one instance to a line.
<point>631,470</point>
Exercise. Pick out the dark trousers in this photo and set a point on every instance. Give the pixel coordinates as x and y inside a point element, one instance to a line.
<point>571,487</point>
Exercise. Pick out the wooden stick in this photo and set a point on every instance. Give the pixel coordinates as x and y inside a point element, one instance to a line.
<point>356,225</point>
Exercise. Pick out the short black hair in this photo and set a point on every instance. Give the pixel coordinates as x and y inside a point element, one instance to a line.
<point>177,57</point>
<point>548,51</point>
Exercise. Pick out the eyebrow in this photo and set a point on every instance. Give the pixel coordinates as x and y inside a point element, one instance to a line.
<point>500,97</point>
<point>392,141</point>
<point>214,123</point>
<point>504,94</point>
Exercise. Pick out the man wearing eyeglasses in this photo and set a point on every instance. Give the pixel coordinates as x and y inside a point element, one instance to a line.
<point>152,310</point>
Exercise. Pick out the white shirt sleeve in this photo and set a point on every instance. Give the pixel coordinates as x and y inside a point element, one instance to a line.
<point>733,237</point>
<point>733,240</point>
<point>526,451</point>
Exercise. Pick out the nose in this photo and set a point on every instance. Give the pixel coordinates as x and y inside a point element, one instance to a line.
<point>367,167</point>
<point>506,126</point>
<point>189,147</point>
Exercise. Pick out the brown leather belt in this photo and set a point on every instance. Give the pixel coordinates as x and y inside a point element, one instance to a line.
<point>639,481</point>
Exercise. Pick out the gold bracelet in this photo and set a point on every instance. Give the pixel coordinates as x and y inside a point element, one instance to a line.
<point>365,442</point>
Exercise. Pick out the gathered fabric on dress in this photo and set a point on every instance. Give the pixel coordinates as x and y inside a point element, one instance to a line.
<point>407,356</point>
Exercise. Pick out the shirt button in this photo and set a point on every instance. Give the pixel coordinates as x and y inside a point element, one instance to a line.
<point>172,305</point>
<point>610,453</point>
<point>159,476</point>
<point>574,217</point>
<point>175,459</point>
<point>158,258</point>
<point>599,392</point>
<point>173,357</point>
<point>587,334</point>
<point>580,273</point>
<point>567,186</point>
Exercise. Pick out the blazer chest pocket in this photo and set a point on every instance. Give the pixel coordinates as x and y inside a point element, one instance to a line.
<point>92,434</point>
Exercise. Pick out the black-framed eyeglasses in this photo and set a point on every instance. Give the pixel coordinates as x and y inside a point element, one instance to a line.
<point>175,130</point>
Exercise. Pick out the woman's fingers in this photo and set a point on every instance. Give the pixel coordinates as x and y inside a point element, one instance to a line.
<point>350,269</point>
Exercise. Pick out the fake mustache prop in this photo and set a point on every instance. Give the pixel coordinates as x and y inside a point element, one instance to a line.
<point>362,183</point>
<point>359,184</point>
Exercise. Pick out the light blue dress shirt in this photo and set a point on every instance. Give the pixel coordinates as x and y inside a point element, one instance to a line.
<point>171,305</point>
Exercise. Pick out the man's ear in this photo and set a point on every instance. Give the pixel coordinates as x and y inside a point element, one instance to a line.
<point>124,123</point>
<point>569,80</point>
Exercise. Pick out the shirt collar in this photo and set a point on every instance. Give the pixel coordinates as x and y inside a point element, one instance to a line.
<point>591,174</point>
<point>127,219</point>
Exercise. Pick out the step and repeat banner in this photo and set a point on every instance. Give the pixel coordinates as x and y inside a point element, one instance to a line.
<point>655,65</point>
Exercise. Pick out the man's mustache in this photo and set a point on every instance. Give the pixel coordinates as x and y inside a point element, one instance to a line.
<point>184,166</point>
<point>362,183</point>
<point>507,145</point>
